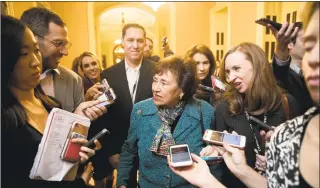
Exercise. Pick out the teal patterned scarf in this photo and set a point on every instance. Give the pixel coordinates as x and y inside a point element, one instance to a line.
<point>164,139</point>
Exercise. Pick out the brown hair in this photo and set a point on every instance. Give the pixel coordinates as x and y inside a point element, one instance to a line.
<point>264,94</point>
<point>130,25</point>
<point>184,70</point>
<point>203,49</point>
<point>86,54</point>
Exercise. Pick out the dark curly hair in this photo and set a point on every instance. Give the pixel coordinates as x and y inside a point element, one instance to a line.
<point>185,72</point>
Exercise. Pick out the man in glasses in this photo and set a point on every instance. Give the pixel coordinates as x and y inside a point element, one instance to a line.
<point>52,36</point>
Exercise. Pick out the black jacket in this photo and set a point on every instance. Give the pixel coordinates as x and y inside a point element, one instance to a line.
<point>117,119</point>
<point>294,84</point>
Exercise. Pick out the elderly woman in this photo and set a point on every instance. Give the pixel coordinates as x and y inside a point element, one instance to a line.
<point>25,108</point>
<point>293,155</point>
<point>171,117</point>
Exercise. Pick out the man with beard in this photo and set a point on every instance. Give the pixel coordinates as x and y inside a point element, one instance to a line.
<point>52,36</point>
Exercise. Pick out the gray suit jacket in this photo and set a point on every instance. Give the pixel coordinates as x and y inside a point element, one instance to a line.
<point>68,89</point>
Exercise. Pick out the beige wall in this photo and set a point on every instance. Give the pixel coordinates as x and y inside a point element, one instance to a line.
<point>184,23</point>
<point>192,25</point>
<point>20,7</point>
<point>75,15</point>
<point>242,27</point>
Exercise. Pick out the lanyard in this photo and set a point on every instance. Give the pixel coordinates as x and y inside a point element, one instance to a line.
<point>254,135</point>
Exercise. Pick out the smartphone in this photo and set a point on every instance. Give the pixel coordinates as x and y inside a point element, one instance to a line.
<point>108,93</point>
<point>212,158</point>
<point>265,126</point>
<point>216,83</point>
<point>206,88</point>
<point>90,144</point>
<point>276,25</point>
<point>180,155</point>
<point>71,151</point>
<point>217,138</point>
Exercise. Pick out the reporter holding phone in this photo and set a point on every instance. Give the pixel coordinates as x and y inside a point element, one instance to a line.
<point>171,117</point>
<point>91,68</point>
<point>251,91</point>
<point>25,108</point>
<point>206,66</point>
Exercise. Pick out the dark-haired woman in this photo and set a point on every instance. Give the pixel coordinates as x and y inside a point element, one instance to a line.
<point>25,108</point>
<point>206,66</point>
<point>171,117</point>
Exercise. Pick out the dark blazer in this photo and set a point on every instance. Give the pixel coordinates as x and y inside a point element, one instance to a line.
<point>238,123</point>
<point>19,149</point>
<point>117,119</point>
<point>289,80</point>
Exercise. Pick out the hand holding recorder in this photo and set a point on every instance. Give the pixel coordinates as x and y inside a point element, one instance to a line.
<point>218,138</point>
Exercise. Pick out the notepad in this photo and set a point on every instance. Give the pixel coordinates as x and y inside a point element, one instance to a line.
<point>48,164</point>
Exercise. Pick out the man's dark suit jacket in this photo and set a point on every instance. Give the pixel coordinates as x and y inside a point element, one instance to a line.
<point>117,119</point>
<point>289,80</point>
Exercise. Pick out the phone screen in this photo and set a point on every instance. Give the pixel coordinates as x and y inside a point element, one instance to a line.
<point>180,154</point>
<point>228,138</point>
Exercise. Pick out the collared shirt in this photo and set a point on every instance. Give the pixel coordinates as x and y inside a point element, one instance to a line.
<point>293,66</point>
<point>133,79</point>
<point>46,81</point>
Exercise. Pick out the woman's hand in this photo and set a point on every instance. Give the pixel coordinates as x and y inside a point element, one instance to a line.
<point>209,151</point>
<point>94,91</point>
<point>86,152</point>
<point>234,158</point>
<point>197,174</point>
<point>114,160</point>
<point>266,136</point>
<point>261,162</point>
<point>89,110</point>
<point>87,174</point>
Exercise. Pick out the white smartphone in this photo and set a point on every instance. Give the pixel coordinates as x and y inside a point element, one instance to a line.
<point>180,155</point>
<point>217,138</point>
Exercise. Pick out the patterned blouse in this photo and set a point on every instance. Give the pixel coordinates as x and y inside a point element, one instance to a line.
<point>283,153</point>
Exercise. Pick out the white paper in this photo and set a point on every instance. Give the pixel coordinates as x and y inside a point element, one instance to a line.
<point>47,164</point>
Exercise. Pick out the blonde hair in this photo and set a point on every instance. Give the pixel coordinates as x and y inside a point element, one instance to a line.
<point>86,54</point>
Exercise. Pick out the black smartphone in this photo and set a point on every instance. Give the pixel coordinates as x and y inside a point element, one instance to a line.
<point>276,25</point>
<point>98,137</point>
<point>262,124</point>
<point>206,88</point>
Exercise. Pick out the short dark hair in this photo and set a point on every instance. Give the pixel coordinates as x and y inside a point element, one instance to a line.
<point>203,49</point>
<point>38,19</point>
<point>129,25</point>
<point>147,38</point>
<point>294,39</point>
<point>184,70</point>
